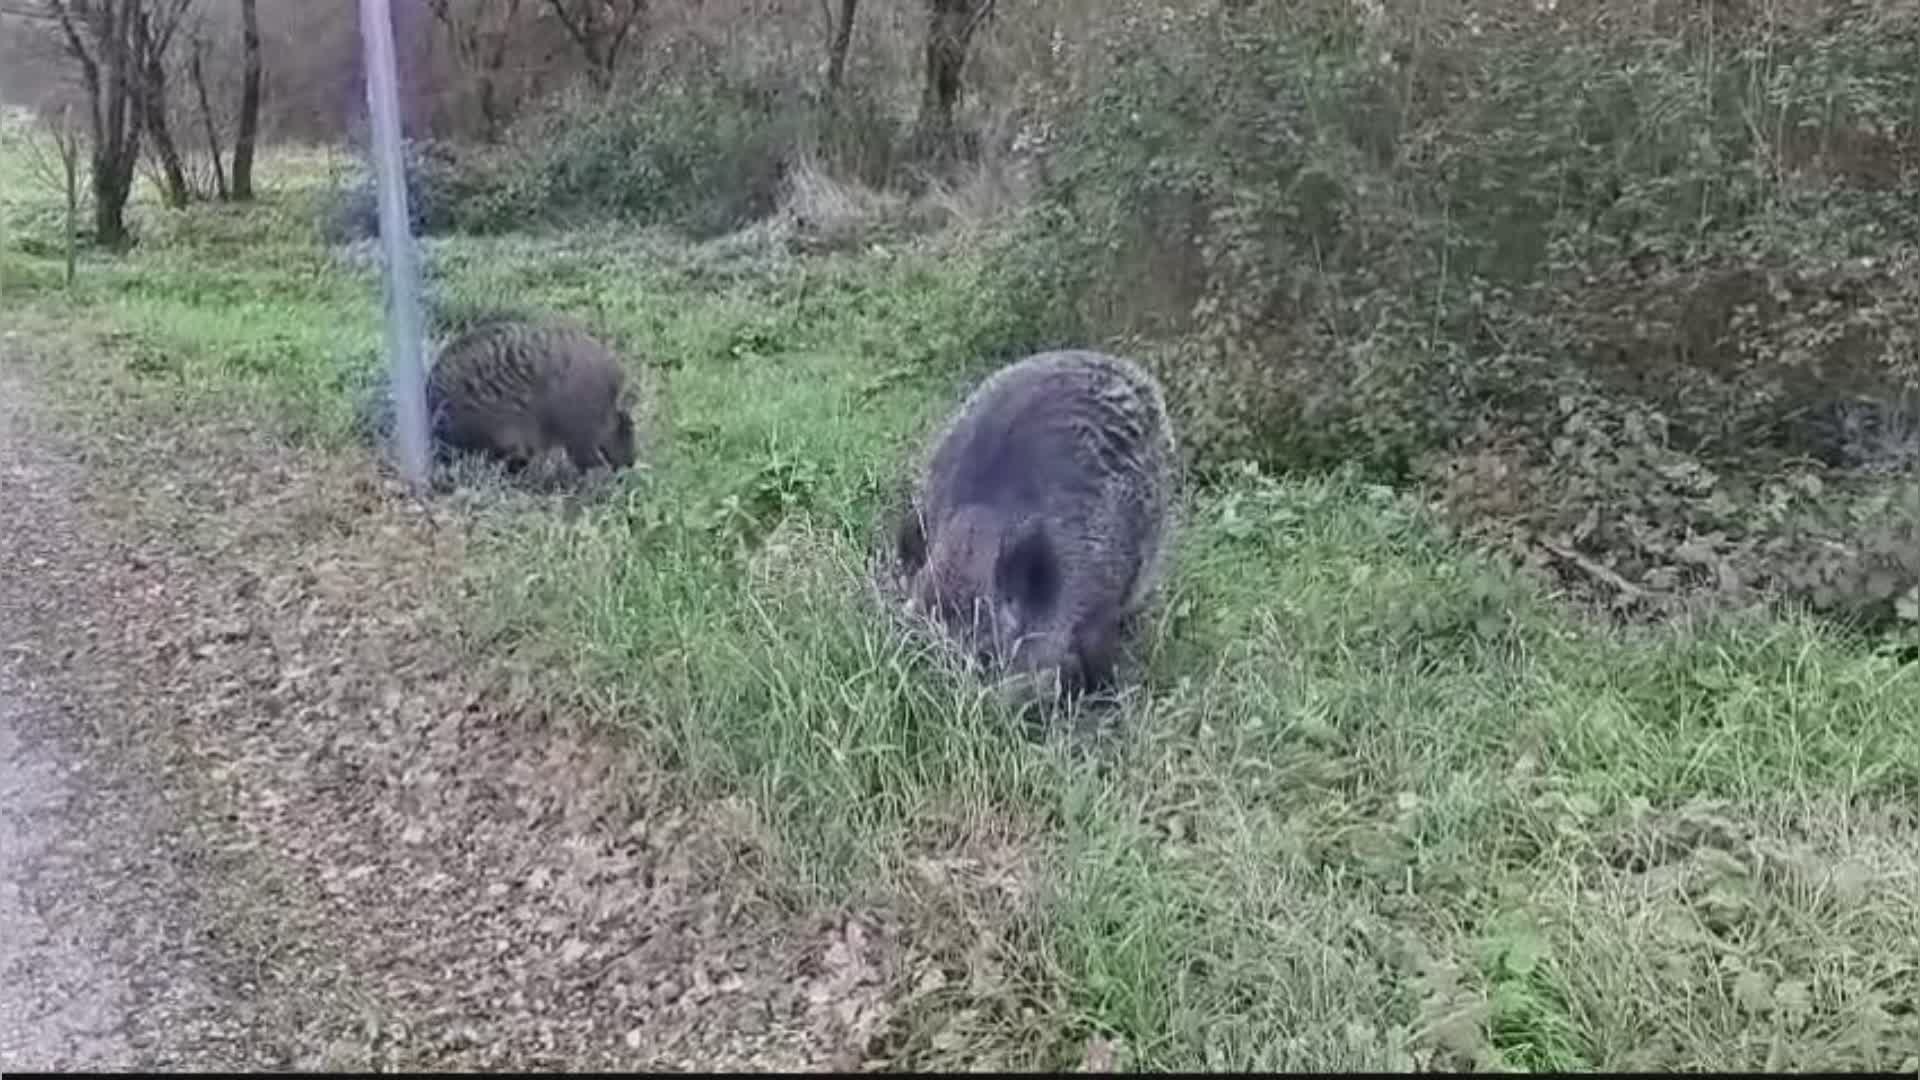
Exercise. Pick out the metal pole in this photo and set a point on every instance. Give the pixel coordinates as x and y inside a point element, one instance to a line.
<point>408,380</point>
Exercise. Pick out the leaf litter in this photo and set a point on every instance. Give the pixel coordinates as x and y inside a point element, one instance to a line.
<point>412,863</point>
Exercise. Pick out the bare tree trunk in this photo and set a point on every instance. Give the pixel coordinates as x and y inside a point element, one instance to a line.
<point>249,103</point>
<point>115,129</point>
<point>70,169</point>
<point>206,117</point>
<point>116,146</point>
<point>950,27</point>
<point>839,42</point>
<point>601,28</point>
<point>153,106</point>
<point>490,113</point>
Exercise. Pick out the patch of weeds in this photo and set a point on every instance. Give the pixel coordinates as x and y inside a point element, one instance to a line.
<point>752,342</point>
<point>148,362</point>
<point>781,486</point>
<point>1528,1022</point>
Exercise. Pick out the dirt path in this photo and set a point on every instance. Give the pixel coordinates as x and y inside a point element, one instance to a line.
<point>61,1006</point>
<point>261,814</point>
<point>98,967</point>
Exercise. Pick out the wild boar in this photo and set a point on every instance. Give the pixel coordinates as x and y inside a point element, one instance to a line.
<point>1039,523</point>
<point>514,389</point>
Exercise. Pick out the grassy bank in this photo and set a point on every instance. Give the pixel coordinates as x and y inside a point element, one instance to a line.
<point>1380,803</point>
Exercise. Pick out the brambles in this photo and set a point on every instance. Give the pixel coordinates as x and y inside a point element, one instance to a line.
<point>1401,241</point>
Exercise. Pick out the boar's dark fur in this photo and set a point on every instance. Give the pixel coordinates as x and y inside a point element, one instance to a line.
<point>1040,521</point>
<point>513,390</point>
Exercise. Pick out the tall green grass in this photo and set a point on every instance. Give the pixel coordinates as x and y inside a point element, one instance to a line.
<point>1378,802</point>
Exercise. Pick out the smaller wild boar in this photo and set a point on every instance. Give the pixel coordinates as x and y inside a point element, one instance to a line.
<point>1040,521</point>
<point>514,389</point>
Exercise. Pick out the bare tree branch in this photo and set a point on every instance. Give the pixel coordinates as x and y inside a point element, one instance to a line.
<point>839,40</point>
<point>600,28</point>
<point>481,49</point>
<point>634,10</point>
<point>63,175</point>
<point>153,31</point>
<point>198,74</point>
<point>950,29</point>
<point>90,69</point>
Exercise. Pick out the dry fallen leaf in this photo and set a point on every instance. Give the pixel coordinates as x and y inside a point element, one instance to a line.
<point>329,704</point>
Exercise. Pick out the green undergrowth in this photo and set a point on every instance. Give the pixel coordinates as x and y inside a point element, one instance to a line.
<point>1377,801</point>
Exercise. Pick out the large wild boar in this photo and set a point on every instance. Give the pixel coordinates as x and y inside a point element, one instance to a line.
<point>1040,521</point>
<point>514,389</point>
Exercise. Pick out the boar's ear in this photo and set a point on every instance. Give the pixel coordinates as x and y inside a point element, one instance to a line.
<point>910,542</point>
<point>1028,571</point>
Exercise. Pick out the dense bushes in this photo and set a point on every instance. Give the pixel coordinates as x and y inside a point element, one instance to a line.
<point>703,152</point>
<point>1338,224</point>
<point>1413,240</point>
<point>443,184</point>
